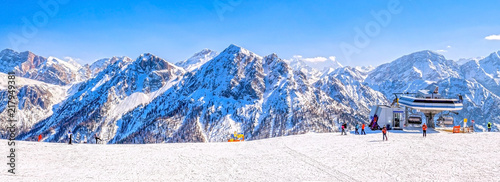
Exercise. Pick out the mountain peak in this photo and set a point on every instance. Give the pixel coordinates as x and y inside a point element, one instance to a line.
<point>7,51</point>
<point>234,52</point>
<point>203,52</point>
<point>424,56</point>
<point>233,46</point>
<point>232,49</point>
<point>463,61</point>
<point>149,57</point>
<point>12,52</point>
<point>495,55</point>
<point>491,64</point>
<point>423,65</point>
<point>73,67</point>
<point>197,60</point>
<point>27,54</point>
<point>426,53</point>
<point>493,58</point>
<point>365,68</point>
<point>146,56</point>
<point>271,58</point>
<point>149,62</point>
<point>273,55</point>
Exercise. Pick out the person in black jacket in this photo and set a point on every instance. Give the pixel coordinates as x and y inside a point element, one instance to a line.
<point>356,129</point>
<point>384,133</point>
<point>70,136</point>
<point>96,138</point>
<point>344,126</point>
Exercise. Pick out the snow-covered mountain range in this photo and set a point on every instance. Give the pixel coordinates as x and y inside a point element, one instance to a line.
<point>211,95</point>
<point>423,69</point>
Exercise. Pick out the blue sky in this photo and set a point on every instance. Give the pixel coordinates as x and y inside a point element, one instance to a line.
<point>175,30</point>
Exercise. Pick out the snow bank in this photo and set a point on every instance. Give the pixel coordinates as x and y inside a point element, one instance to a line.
<point>310,157</point>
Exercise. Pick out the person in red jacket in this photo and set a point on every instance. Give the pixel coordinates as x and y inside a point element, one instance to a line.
<point>363,129</point>
<point>384,132</point>
<point>40,137</point>
<point>424,130</point>
<point>343,129</point>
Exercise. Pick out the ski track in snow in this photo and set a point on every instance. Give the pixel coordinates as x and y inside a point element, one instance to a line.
<point>308,157</point>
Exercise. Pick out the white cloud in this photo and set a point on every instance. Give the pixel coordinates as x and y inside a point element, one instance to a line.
<point>67,58</point>
<point>318,63</point>
<point>73,61</point>
<point>492,37</point>
<point>444,50</point>
<point>315,59</point>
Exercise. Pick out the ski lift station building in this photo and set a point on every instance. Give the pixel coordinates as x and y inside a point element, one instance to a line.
<point>387,115</point>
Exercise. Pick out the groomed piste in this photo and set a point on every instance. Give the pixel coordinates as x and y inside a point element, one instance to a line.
<point>442,156</point>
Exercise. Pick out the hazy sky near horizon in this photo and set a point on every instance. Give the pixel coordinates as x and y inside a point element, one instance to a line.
<point>356,33</point>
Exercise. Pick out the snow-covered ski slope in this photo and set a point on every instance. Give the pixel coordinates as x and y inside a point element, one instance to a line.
<point>308,157</point>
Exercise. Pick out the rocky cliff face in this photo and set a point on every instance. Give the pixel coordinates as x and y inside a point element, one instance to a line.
<point>96,104</point>
<point>346,85</point>
<point>29,65</point>
<point>37,100</point>
<point>92,70</point>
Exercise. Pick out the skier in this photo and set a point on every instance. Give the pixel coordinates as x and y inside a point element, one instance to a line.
<point>374,122</point>
<point>343,130</point>
<point>489,126</point>
<point>70,135</point>
<point>356,129</point>
<point>384,132</point>
<point>424,130</point>
<point>96,138</point>
<point>40,137</point>
<point>363,129</point>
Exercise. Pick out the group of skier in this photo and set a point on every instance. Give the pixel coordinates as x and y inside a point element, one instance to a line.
<point>344,128</point>
<point>356,127</point>
<point>70,136</point>
<point>384,130</point>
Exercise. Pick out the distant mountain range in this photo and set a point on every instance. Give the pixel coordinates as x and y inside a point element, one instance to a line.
<point>210,95</point>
